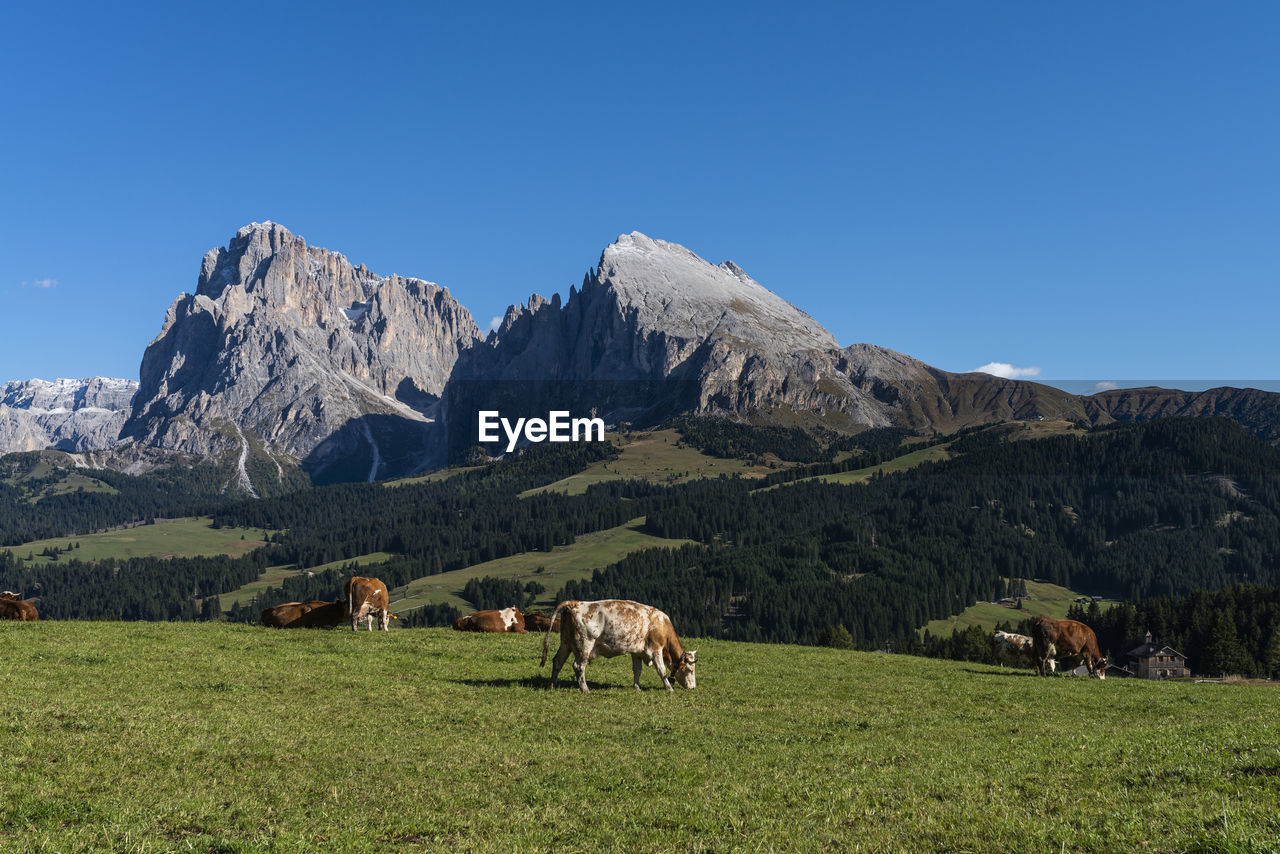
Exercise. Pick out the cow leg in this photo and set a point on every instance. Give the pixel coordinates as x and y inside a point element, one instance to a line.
<point>659,666</point>
<point>580,671</point>
<point>562,655</point>
<point>637,665</point>
<point>385,620</point>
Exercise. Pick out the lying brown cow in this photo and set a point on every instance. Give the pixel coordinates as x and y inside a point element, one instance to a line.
<point>1067,639</point>
<point>505,620</point>
<point>286,615</point>
<point>12,607</point>
<point>366,597</point>
<point>616,626</point>
<point>540,623</point>
<point>324,615</point>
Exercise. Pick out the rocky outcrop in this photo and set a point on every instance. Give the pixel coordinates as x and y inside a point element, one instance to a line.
<point>68,414</point>
<point>289,349</point>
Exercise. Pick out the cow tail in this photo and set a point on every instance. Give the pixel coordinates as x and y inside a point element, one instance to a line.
<point>546,639</point>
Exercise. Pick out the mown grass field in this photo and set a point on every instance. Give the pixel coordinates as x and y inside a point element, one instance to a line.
<point>934,453</point>
<point>166,538</point>
<point>219,738</point>
<point>655,457</point>
<point>432,477</point>
<point>1043,600</point>
<point>563,563</point>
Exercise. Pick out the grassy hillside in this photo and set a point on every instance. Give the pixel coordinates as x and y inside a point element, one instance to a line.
<point>563,563</point>
<point>1043,600</point>
<point>211,737</point>
<point>935,453</point>
<point>655,457</point>
<point>166,538</point>
<point>46,473</point>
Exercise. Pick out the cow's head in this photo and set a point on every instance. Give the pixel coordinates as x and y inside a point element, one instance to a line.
<point>684,674</point>
<point>1099,669</point>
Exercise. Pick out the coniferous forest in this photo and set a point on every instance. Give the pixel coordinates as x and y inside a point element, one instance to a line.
<point>1156,514</point>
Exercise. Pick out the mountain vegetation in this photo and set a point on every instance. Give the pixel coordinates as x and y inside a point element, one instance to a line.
<point>44,494</point>
<point>1151,512</point>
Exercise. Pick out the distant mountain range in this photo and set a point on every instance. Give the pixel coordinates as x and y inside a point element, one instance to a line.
<point>287,354</point>
<point>69,415</point>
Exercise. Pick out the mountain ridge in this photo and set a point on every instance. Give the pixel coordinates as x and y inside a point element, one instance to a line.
<point>288,354</point>
<point>72,415</point>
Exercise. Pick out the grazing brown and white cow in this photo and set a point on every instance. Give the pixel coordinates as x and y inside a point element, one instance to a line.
<point>366,597</point>
<point>12,607</point>
<point>612,627</point>
<point>504,620</point>
<point>540,623</point>
<point>1067,639</point>
<point>1008,648</point>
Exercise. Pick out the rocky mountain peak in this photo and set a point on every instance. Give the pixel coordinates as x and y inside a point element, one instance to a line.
<point>671,288</point>
<point>301,353</point>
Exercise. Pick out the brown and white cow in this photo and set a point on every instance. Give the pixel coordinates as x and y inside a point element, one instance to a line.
<point>366,597</point>
<point>540,623</point>
<point>1009,648</point>
<point>504,620</point>
<point>612,627</point>
<point>12,607</point>
<point>1067,639</point>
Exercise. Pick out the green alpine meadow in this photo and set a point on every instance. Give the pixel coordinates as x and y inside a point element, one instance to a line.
<point>212,737</point>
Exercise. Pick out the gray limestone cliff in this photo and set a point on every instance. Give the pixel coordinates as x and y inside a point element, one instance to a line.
<point>289,349</point>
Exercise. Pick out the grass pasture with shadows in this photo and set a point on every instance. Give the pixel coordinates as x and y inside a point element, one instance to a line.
<point>214,737</point>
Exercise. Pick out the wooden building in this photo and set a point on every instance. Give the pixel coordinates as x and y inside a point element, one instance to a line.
<point>1158,661</point>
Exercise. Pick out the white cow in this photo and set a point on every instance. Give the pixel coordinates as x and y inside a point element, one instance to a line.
<point>612,627</point>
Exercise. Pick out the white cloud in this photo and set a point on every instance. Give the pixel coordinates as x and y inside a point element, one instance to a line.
<point>494,324</point>
<point>43,284</point>
<point>1006,370</point>
<point>1105,385</point>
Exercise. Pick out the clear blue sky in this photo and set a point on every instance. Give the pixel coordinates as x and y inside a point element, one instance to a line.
<point>1092,189</point>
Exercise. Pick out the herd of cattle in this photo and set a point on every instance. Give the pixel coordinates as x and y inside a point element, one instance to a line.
<point>614,627</point>
<point>362,600</point>
<point>589,630</point>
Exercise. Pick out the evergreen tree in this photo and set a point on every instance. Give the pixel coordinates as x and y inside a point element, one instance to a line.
<point>1224,655</point>
<point>1271,659</point>
<point>836,637</point>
